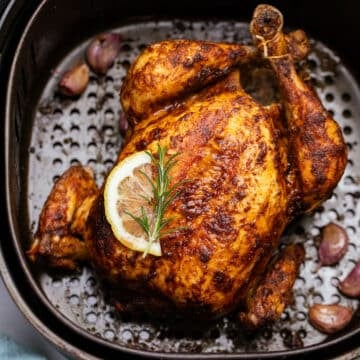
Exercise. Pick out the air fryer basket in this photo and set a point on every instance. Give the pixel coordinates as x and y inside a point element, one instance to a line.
<point>46,134</point>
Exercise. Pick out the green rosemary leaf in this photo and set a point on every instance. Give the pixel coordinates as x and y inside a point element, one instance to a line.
<point>171,231</point>
<point>152,157</point>
<point>163,194</point>
<point>173,193</point>
<point>170,199</point>
<point>165,222</point>
<point>146,198</point>
<point>142,220</point>
<point>153,187</point>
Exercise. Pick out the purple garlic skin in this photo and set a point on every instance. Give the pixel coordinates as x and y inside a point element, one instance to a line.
<point>75,80</point>
<point>333,245</point>
<point>123,124</point>
<point>329,319</point>
<point>350,286</point>
<point>102,52</point>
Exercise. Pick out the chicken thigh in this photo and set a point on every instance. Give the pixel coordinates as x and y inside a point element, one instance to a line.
<point>250,169</point>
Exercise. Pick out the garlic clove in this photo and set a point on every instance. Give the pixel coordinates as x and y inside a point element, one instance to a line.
<point>333,245</point>
<point>123,124</point>
<point>329,318</point>
<point>350,286</point>
<point>75,80</point>
<point>102,51</point>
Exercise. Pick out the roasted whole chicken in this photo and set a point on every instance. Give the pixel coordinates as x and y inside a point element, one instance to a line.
<point>250,170</point>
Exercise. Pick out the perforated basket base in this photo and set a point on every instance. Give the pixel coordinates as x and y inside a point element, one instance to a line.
<point>85,130</point>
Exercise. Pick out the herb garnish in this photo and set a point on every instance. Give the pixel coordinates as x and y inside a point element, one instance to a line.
<point>162,196</point>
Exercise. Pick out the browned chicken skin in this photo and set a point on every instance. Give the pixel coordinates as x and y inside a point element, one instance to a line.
<point>63,219</point>
<point>250,169</point>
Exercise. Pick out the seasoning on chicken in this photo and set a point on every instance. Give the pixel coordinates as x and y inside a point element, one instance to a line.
<point>249,171</point>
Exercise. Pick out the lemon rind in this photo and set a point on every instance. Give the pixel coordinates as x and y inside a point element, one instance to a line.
<point>118,173</point>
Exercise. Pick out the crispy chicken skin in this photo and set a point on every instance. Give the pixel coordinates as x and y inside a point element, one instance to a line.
<point>266,301</point>
<point>251,169</point>
<point>167,71</point>
<point>63,219</point>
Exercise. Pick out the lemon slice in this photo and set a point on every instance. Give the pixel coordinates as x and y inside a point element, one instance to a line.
<point>126,191</point>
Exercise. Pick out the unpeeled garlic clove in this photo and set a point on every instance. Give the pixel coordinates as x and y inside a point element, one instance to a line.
<point>350,286</point>
<point>102,51</point>
<point>333,245</point>
<point>329,318</point>
<point>123,124</point>
<point>75,80</point>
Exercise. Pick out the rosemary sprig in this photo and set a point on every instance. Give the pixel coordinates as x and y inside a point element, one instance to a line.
<point>162,196</point>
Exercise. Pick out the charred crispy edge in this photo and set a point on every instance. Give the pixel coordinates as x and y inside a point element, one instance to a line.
<point>99,237</point>
<point>58,252</point>
<point>267,22</point>
<point>266,303</point>
<point>266,28</point>
<point>55,240</point>
<point>298,44</point>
